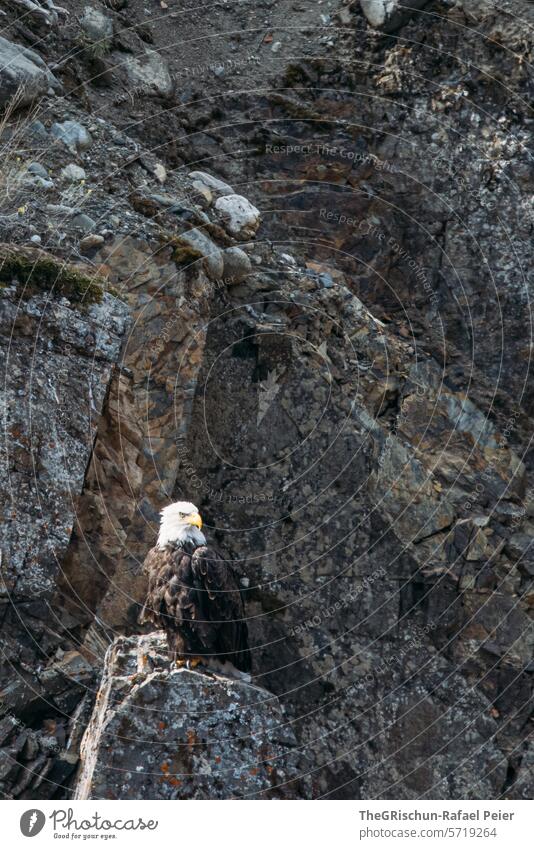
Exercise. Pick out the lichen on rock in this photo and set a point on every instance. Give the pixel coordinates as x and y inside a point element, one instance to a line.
<point>346,396</point>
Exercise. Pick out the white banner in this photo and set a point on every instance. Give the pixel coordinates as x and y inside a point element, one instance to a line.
<point>270,824</point>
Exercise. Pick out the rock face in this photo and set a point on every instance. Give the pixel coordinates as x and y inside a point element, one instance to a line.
<point>416,574</point>
<point>204,737</point>
<point>341,383</point>
<point>30,760</point>
<point>66,333</point>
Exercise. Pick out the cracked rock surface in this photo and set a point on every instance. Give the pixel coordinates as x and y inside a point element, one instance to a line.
<point>284,274</point>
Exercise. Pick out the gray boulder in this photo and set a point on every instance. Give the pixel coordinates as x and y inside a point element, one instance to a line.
<point>237,265</point>
<point>218,187</point>
<point>97,27</point>
<point>238,215</point>
<point>22,69</point>
<point>73,173</point>
<point>212,255</point>
<point>73,135</point>
<point>389,15</point>
<point>83,222</point>
<point>37,169</point>
<point>148,73</point>
<point>158,733</point>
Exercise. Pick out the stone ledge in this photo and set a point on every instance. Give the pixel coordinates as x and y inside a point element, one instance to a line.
<point>158,733</point>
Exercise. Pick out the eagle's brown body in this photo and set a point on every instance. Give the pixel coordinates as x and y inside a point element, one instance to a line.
<point>194,596</point>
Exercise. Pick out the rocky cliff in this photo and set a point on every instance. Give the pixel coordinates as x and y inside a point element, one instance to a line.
<point>203,736</point>
<point>280,271</point>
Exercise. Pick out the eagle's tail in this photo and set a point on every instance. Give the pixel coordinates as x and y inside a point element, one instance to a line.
<point>244,660</point>
<point>241,657</point>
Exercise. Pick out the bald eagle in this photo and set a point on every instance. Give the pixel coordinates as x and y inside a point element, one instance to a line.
<point>194,596</point>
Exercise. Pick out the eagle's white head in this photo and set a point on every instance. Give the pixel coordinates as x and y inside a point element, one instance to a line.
<point>180,523</point>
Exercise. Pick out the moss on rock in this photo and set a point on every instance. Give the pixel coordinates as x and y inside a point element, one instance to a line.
<point>183,253</point>
<point>38,271</point>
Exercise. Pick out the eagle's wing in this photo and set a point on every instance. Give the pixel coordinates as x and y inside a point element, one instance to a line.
<point>221,604</point>
<point>159,567</point>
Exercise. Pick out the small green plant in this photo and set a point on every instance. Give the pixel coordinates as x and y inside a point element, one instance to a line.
<point>94,49</point>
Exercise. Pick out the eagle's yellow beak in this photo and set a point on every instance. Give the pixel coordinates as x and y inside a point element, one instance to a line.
<point>194,519</point>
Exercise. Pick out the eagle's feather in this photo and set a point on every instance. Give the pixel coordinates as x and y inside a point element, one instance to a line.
<point>193,595</point>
